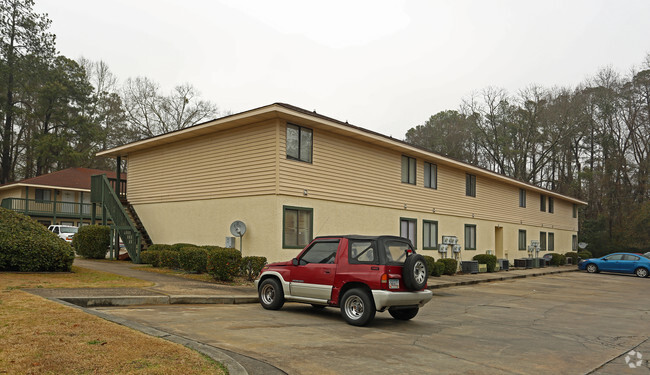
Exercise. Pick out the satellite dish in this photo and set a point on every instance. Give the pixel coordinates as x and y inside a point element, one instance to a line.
<point>238,228</point>
<point>582,245</point>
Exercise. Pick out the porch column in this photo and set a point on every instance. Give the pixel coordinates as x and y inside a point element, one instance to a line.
<point>118,173</point>
<point>54,207</point>
<point>26,200</point>
<point>81,207</point>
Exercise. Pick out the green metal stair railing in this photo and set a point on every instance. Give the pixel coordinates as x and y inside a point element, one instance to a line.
<point>101,192</point>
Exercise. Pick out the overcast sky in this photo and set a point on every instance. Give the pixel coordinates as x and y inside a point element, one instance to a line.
<point>382,65</point>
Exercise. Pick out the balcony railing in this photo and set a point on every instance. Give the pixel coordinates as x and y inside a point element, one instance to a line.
<point>113,182</point>
<point>35,207</point>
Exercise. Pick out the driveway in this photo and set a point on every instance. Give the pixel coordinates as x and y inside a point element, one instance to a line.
<point>567,323</point>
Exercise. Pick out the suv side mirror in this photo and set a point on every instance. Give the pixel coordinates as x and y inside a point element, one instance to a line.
<point>294,261</point>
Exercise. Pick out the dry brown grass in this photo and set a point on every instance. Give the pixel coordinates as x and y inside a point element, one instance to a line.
<point>38,336</point>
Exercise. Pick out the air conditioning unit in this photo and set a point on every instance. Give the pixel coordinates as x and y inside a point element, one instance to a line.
<point>504,264</point>
<point>456,249</point>
<point>449,240</point>
<point>489,252</point>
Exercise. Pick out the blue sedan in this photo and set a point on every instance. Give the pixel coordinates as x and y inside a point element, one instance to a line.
<point>618,262</point>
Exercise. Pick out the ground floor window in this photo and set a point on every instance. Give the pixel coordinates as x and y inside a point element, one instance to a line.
<point>297,225</point>
<point>542,241</point>
<point>551,241</point>
<point>429,235</point>
<point>470,237</point>
<point>522,239</point>
<point>574,242</point>
<point>408,229</point>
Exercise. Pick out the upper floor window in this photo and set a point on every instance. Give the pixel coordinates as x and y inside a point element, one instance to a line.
<point>542,203</point>
<point>522,197</point>
<point>551,209</point>
<point>43,195</point>
<point>408,169</point>
<point>470,185</point>
<point>575,210</point>
<point>430,175</point>
<point>299,143</point>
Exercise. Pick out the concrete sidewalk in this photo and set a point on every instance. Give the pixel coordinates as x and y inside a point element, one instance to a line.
<point>446,281</point>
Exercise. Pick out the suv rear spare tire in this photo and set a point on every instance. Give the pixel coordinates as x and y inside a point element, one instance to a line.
<point>415,272</point>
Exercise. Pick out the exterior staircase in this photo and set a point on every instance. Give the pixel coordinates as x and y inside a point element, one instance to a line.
<point>130,210</point>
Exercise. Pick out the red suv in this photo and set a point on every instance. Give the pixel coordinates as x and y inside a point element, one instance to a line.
<point>359,274</point>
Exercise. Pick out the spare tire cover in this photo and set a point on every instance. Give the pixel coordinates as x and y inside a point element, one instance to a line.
<point>415,272</point>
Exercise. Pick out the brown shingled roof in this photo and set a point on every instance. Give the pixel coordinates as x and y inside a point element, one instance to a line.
<point>74,178</point>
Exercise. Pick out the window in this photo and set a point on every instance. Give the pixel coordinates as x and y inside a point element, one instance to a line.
<point>615,257</point>
<point>470,237</point>
<point>396,252</point>
<point>542,241</point>
<point>631,257</point>
<point>470,185</point>
<point>551,241</point>
<point>320,252</point>
<point>429,235</point>
<point>408,170</point>
<point>522,239</point>
<point>575,210</point>
<point>297,227</point>
<point>430,175</point>
<point>550,205</point>
<point>43,195</point>
<point>522,197</point>
<point>542,203</point>
<point>363,252</point>
<point>299,143</point>
<point>574,242</point>
<point>407,229</point>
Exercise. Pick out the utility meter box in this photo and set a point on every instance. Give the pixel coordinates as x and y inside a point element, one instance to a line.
<point>230,243</point>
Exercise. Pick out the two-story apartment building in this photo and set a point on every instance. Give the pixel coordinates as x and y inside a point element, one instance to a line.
<point>61,197</point>
<point>291,174</point>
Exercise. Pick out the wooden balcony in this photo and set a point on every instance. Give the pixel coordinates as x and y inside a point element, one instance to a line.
<point>54,209</point>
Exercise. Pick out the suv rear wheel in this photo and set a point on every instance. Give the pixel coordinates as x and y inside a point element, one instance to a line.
<point>271,294</point>
<point>357,307</point>
<point>415,272</point>
<point>404,314</point>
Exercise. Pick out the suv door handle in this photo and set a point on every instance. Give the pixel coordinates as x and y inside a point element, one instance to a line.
<point>374,268</point>
<point>326,271</point>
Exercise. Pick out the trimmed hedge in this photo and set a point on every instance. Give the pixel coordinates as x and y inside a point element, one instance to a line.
<point>168,258</point>
<point>193,259</point>
<point>585,254</point>
<point>451,265</point>
<point>430,263</point>
<point>150,257</point>
<point>558,259</point>
<point>573,255</point>
<point>224,264</point>
<point>27,246</point>
<point>489,260</point>
<point>252,266</point>
<point>179,246</point>
<point>159,246</point>
<point>438,268</point>
<point>92,241</point>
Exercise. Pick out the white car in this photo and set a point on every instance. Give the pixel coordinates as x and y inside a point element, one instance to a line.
<point>65,232</point>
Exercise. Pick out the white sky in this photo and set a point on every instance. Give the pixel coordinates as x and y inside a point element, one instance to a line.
<point>382,65</point>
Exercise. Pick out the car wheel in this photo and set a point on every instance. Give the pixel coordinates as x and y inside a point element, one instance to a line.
<point>415,272</point>
<point>592,268</point>
<point>357,307</point>
<point>641,272</point>
<point>271,294</point>
<point>404,314</point>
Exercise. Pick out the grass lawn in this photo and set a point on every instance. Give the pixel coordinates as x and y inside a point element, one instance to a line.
<point>38,336</point>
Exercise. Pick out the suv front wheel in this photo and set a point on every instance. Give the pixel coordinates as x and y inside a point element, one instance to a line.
<point>357,307</point>
<point>271,294</point>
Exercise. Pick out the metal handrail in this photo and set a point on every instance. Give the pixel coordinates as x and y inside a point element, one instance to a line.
<point>49,208</point>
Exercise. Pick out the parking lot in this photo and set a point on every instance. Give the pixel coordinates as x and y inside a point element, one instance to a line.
<point>568,323</point>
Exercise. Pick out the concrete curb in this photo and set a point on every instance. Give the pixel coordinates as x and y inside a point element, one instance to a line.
<point>234,368</point>
<point>498,278</point>
<point>107,301</point>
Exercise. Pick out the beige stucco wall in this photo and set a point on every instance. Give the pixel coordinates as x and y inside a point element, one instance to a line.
<point>207,222</point>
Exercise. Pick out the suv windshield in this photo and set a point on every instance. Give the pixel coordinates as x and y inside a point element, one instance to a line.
<point>69,229</point>
<point>396,252</point>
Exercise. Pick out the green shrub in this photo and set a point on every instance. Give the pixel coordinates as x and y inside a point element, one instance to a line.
<point>179,246</point>
<point>27,246</point>
<point>223,264</point>
<point>92,241</point>
<point>489,260</point>
<point>211,247</point>
<point>558,259</point>
<point>438,268</point>
<point>168,258</point>
<point>193,259</point>
<point>159,246</point>
<point>573,255</point>
<point>252,266</point>
<point>430,263</point>
<point>150,257</point>
<point>451,265</point>
<point>585,254</point>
